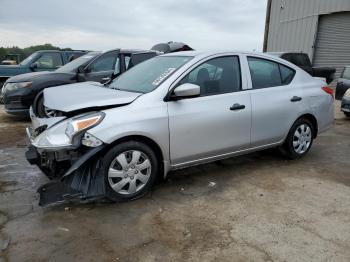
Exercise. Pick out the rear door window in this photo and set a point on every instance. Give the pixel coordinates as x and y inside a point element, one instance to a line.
<point>265,73</point>
<point>287,74</point>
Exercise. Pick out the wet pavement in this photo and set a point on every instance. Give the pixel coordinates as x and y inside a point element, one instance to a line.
<point>258,207</point>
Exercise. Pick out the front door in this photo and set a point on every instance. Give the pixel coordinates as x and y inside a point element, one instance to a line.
<point>102,68</point>
<point>219,121</point>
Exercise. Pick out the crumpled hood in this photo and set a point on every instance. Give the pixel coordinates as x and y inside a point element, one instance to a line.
<point>29,76</point>
<point>74,97</point>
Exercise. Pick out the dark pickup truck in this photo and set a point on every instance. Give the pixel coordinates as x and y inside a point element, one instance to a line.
<point>303,61</point>
<point>45,60</point>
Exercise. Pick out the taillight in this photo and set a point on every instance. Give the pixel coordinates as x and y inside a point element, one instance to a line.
<point>328,90</point>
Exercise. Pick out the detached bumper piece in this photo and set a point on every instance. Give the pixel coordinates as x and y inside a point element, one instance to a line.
<point>55,193</point>
<point>84,184</point>
<point>81,182</point>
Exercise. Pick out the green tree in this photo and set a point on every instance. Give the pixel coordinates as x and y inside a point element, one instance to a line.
<point>27,51</point>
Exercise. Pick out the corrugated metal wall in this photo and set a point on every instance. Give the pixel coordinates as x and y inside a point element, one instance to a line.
<point>332,46</point>
<point>293,23</point>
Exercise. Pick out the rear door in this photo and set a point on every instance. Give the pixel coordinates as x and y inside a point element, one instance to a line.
<point>102,68</point>
<point>216,123</point>
<point>276,102</point>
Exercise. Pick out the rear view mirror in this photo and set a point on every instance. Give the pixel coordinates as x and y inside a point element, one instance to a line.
<point>186,90</point>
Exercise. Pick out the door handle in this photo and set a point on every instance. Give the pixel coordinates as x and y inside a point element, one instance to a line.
<point>295,99</point>
<point>237,107</point>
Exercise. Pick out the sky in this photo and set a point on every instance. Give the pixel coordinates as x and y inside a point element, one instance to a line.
<point>108,24</point>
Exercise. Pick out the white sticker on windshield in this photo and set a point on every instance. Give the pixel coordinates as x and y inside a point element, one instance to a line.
<point>163,76</point>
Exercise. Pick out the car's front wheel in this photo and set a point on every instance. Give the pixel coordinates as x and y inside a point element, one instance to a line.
<point>130,170</point>
<point>299,139</point>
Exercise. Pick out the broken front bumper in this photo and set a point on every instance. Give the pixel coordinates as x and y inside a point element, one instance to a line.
<point>74,171</point>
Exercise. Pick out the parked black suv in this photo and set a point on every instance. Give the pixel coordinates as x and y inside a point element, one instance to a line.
<point>21,91</point>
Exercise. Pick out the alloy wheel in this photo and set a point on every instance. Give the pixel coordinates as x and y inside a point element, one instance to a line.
<point>129,172</point>
<point>302,138</point>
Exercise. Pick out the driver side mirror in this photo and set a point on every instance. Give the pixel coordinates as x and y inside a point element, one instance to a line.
<point>186,90</point>
<point>81,69</point>
<point>34,66</point>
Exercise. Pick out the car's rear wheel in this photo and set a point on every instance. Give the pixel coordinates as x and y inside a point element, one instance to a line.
<point>299,139</point>
<point>130,170</point>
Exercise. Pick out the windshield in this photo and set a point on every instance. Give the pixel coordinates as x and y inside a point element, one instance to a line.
<point>346,73</point>
<point>29,59</point>
<point>73,66</point>
<point>148,75</point>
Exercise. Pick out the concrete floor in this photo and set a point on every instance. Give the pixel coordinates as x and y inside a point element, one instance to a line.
<point>261,208</point>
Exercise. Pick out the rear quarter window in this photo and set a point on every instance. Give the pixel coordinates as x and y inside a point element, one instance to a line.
<point>287,74</point>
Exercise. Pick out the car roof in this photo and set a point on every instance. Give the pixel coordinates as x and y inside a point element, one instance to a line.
<point>204,54</point>
<point>131,51</point>
<point>217,52</point>
<point>83,51</point>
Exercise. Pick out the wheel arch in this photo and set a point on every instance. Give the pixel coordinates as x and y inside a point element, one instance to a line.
<point>313,121</point>
<point>4,78</point>
<point>35,101</point>
<point>146,140</point>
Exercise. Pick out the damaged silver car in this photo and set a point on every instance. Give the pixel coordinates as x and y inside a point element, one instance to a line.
<point>170,112</point>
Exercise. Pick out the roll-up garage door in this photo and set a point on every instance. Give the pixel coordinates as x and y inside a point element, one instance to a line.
<point>332,46</point>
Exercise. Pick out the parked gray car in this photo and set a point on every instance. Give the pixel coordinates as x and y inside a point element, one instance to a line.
<point>173,111</point>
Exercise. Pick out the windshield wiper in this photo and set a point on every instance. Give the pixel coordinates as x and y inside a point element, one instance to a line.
<point>108,86</point>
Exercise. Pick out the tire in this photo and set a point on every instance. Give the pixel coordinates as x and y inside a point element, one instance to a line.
<point>294,147</point>
<point>347,114</point>
<point>130,178</point>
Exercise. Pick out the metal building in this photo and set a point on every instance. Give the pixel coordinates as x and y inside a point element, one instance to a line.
<point>320,28</point>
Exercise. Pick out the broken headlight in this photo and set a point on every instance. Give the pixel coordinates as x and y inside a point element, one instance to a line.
<point>79,124</point>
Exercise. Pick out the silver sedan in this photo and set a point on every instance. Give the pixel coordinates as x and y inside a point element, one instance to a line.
<point>175,111</point>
